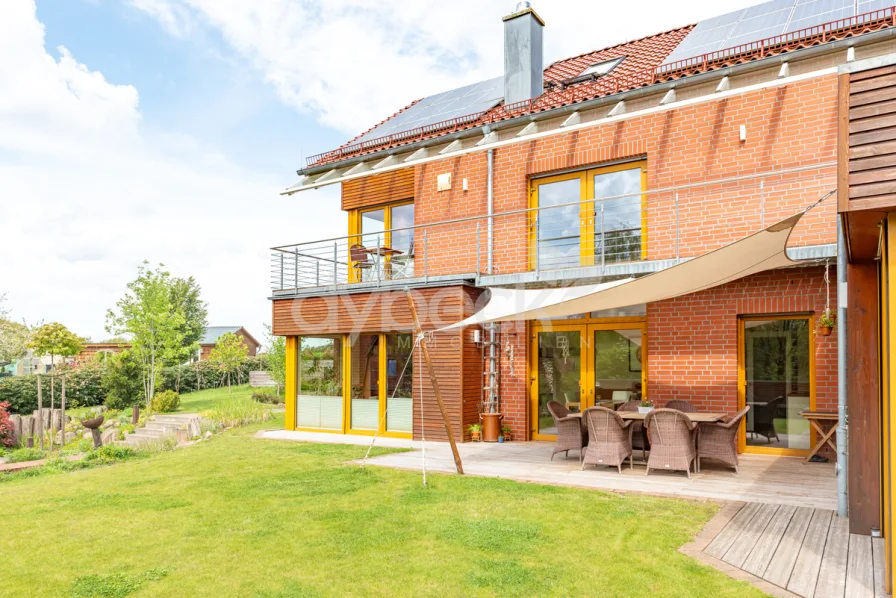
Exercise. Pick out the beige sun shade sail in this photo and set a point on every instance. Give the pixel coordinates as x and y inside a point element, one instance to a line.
<point>765,250</point>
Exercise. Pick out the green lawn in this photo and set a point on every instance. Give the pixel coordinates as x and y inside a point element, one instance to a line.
<point>196,402</point>
<point>239,516</point>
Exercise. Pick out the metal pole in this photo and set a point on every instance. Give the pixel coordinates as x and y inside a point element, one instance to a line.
<point>335,266</point>
<point>296,273</point>
<point>381,261</point>
<point>281,270</point>
<point>478,248</point>
<point>491,210</point>
<point>603,238</point>
<point>492,368</point>
<point>537,248</point>
<point>425,256</point>
<point>317,273</point>
<point>842,410</point>
<point>677,231</point>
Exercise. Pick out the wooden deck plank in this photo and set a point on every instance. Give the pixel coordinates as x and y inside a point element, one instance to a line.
<point>832,574</point>
<point>781,565</point>
<point>859,568</point>
<point>805,571</point>
<point>768,542</point>
<point>743,546</point>
<point>879,567</point>
<point>720,545</point>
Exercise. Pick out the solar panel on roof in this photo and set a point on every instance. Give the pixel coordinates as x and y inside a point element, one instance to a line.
<point>765,20</point>
<point>463,101</point>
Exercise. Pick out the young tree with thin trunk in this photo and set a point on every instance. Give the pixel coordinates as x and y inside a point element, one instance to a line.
<point>54,340</point>
<point>147,315</point>
<point>276,357</point>
<point>230,353</point>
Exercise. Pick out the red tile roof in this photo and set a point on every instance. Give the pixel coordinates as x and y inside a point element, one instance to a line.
<point>642,66</point>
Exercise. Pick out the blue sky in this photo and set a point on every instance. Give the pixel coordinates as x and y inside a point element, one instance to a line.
<point>163,130</point>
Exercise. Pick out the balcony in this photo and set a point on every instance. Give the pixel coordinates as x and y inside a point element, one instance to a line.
<point>579,241</point>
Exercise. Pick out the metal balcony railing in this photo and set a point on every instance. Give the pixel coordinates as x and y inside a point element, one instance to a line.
<point>661,224</point>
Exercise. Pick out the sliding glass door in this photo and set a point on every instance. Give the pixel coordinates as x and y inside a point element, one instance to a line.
<point>777,382</point>
<point>583,365</point>
<point>319,383</point>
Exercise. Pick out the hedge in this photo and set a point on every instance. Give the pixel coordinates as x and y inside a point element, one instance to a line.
<point>83,388</point>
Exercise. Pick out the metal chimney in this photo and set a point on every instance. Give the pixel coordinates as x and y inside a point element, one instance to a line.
<point>523,55</point>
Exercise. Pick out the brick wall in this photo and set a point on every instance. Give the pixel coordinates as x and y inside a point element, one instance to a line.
<point>692,340</point>
<point>788,127</point>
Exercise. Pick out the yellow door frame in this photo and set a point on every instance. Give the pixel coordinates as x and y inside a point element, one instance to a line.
<point>343,339</point>
<point>588,218</point>
<point>586,328</point>
<point>742,446</point>
<point>382,398</point>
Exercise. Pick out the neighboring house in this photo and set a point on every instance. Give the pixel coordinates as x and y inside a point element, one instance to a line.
<point>213,333</point>
<point>33,364</point>
<point>618,163</point>
<point>90,350</point>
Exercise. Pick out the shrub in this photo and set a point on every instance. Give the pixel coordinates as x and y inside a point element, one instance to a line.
<point>206,374</point>
<point>7,437</point>
<point>266,395</point>
<point>237,413</point>
<point>83,388</point>
<point>165,402</point>
<point>24,454</point>
<point>123,381</point>
<point>110,453</point>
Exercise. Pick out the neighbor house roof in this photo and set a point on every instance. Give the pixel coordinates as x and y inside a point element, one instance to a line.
<point>213,333</point>
<point>712,44</point>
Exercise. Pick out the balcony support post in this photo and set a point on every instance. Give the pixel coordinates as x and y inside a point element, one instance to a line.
<point>281,270</point>
<point>335,266</point>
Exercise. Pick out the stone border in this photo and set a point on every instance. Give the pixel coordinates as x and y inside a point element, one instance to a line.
<point>708,533</point>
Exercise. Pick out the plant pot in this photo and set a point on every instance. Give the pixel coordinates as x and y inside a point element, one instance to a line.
<point>506,436</point>
<point>475,436</point>
<point>491,426</point>
<point>644,409</point>
<point>825,330</point>
<point>500,439</point>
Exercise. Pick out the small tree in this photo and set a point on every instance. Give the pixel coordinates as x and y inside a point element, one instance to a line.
<point>147,315</point>
<point>13,341</point>
<point>55,339</point>
<point>229,353</point>
<point>123,380</point>
<point>276,358</point>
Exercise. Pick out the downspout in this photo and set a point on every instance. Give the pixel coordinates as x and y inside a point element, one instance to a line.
<point>492,328</point>
<point>842,415</point>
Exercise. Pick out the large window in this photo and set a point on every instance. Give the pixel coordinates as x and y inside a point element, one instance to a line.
<point>777,362</point>
<point>382,245</point>
<point>590,217</point>
<point>319,383</point>
<point>377,396</point>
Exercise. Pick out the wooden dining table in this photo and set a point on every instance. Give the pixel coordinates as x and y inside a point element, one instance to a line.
<point>698,416</point>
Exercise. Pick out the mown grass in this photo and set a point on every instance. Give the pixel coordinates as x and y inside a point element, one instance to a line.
<point>240,516</point>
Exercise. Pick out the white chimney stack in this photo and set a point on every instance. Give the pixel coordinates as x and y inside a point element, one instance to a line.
<point>523,55</point>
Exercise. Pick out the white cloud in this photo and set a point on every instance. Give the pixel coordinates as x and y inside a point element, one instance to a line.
<point>87,193</point>
<point>354,62</point>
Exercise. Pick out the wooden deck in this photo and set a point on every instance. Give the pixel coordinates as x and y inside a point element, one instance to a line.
<point>787,550</point>
<point>766,479</point>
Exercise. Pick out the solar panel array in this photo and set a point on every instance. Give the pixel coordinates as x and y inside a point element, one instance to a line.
<point>767,20</point>
<point>463,101</point>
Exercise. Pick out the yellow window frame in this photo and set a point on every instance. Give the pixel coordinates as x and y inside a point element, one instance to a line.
<point>355,233</point>
<point>587,211</point>
<point>742,383</point>
<point>382,383</point>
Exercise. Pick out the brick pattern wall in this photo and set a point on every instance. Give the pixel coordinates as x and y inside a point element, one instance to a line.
<point>513,377</point>
<point>692,340</point>
<point>787,128</point>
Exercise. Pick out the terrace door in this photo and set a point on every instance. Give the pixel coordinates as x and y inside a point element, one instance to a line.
<point>559,375</point>
<point>777,381</point>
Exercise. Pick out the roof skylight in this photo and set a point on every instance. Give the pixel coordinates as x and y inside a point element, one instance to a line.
<point>602,68</point>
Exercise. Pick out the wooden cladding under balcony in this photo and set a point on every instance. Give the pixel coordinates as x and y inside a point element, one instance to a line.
<point>378,189</point>
<point>867,132</point>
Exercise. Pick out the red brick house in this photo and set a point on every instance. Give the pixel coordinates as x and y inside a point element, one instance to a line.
<point>621,162</point>
<point>206,344</point>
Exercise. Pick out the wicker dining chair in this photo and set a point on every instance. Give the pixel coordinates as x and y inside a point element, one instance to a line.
<point>719,440</point>
<point>639,433</point>
<point>569,430</point>
<point>673,440</point>
<point>681,405</point>
<point>609,438</point>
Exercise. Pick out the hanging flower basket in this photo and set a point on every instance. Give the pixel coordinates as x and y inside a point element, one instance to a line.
<point>826,323</point>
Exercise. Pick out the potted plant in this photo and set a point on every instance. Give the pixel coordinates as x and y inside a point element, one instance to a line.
<point>505,431</point>
<point>645,406</point>
<point>475,431</point>
<point>826,322</point>
<point>491,427</point>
